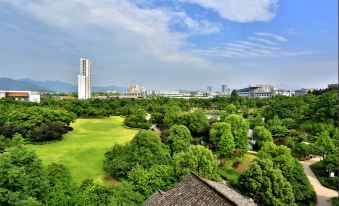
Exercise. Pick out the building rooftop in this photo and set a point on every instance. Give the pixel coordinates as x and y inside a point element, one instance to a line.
<point>198,191</point>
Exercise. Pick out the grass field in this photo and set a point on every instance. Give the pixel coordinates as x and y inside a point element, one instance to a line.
<point>230,173</point>
<point>82,150</point>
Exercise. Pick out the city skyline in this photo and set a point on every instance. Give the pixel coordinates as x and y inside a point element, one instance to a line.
<point>173,45</point>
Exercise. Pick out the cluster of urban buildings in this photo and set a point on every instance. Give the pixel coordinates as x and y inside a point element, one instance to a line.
<point>134,91</point>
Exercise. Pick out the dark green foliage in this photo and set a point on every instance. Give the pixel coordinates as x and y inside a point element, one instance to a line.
<point>195,121</point>
<point>171,116</point>
<point>146,150</point>
<point>10,129</point>
<point>118,160</point>
<point>319,170</point>
<point>137,120</point>
<point>179,138</point>
<point>234,96</point>
<point>335,201</point>
<point>266,184</point>
<point>291,169</point>
<point>47,132</point>
<point>302,151</point>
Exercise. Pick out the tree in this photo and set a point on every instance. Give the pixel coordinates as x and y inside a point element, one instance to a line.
<point>266,184</point>
<point>231,109</point>
<point>179,138</point>
<point>146,150</point>
<point>257,121</point>
<point>291,169</point>
<point>301,150</point>
<point>171,116</point>
<point>147,181</point>
<point>47,132</point>
<point>217,131</point>
<point>226,144</point>
<point>262,135</point>
<point>234,96</point>
<point>195,121</point>
<point>324,145</point>
<point>239,128</point>
<point>198,159</point>
<point>137,120</point>
<point>22,177</point>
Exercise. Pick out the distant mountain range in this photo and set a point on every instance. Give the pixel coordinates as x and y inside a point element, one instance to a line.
<point>56,86</point>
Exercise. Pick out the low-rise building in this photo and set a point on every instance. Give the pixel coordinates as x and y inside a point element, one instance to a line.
<point>333,86</point>
<point>30,96</point>
<point>195,190</point>
<point>302,91</point>
<point>283,92</point>
<point>134,92</point>
<point>261,91</point>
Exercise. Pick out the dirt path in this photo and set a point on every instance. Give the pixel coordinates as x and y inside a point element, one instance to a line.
<point>323,194</point>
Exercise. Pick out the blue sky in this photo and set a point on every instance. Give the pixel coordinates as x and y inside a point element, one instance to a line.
<point>163,44</point>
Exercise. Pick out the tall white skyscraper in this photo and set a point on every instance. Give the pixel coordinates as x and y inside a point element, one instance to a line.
<point>84,79</point>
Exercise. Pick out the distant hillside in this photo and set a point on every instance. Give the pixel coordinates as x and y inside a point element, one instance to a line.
<point>11,84</point>
<point>57,86</point>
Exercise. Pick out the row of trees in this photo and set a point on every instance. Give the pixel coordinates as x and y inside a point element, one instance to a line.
<point>276,178</point>
<point>149,164</point>
<point>35,122</point>
<point>24,181</point>
<point>230,136</point>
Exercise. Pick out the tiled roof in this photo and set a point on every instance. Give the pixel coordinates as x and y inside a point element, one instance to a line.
<point>197,191</point>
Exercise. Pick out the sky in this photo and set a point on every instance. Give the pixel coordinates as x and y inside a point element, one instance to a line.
<point>167,44</point>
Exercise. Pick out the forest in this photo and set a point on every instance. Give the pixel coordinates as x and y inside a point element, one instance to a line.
<point>177,136</point>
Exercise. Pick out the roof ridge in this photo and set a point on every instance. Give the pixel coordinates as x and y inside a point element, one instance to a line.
<point>212,187</point>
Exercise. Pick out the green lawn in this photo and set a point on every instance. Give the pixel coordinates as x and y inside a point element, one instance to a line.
<point>82,150</point>
<point>230,173</point>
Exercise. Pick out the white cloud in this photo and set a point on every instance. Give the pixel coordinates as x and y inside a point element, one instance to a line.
<point>253,47</point>
<point>292,31</point>
<point>240,10</point>
<point>262,40</point>
<point>274,36</point>
<point>138,32</point>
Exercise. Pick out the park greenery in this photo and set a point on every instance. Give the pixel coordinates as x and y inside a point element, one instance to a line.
<point>285,130</point>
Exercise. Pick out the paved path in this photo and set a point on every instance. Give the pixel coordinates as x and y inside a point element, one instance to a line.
<point>155,128</point>
<point>323,194</point>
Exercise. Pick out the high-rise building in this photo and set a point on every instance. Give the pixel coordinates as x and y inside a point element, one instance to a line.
<point>84,79</point>
<point>224,88</point>
<point>209,89</point>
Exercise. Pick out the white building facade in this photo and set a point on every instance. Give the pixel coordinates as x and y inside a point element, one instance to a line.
<point>29,96</point>
<point>84,79</point>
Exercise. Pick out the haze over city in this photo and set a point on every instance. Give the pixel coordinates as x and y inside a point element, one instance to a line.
<point>186,44</point>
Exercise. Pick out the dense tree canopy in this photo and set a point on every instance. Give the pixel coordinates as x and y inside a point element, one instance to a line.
<point>266,184</point>
<point>262,135</point>
<point>199,159</point>
<point>239,127</point>
<point>146,149</point>
<point>179,138</point>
